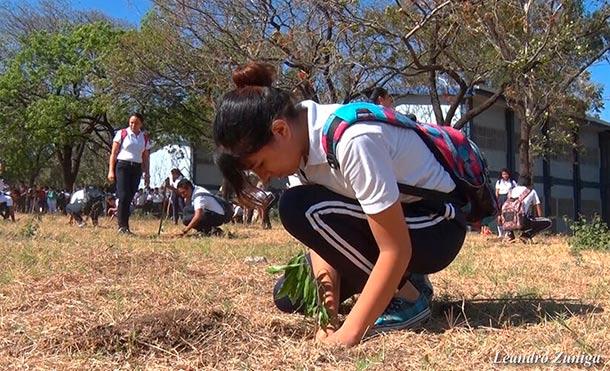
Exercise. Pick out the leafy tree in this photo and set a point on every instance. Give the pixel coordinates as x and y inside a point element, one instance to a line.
<point>58,82</point>
<point>546,47</point>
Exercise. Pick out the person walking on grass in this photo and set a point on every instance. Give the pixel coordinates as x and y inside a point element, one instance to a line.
<point>129,161</point>
<point>364,236</point>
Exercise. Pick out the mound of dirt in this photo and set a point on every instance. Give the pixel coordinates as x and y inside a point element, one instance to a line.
<point>177,330</point>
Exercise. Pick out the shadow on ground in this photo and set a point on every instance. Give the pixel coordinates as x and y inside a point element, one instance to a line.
<point>503,313</point>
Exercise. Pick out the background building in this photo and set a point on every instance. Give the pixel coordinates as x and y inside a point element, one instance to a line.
<point>575,182</point>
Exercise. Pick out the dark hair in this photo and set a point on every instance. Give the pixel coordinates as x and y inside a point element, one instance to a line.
<point>138,115</point>
<point>176,171</point>
<point>505,170</point>
<point>243,119</point>
<point>184,183</point>
<point>525,181</point>
<point>377,93</point>
<point>412,116</point>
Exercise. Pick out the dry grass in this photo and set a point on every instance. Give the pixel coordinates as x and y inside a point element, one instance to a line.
<point>89,299</point>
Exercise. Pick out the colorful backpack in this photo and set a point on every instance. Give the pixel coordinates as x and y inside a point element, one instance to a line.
<point>459,156</point>
<point>513,213</point>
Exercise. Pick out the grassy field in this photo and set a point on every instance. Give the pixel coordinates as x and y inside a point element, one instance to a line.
<point>88,298</point>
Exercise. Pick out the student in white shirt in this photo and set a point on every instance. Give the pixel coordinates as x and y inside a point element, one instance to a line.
<point>534,221</point>
<point>203,211</point>
<point>364,236</point>
<point>129,160</point>
<point>88,201</point>
<point>503,186</point>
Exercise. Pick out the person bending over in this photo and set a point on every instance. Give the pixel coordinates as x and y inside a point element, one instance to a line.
<point>364,236</point>
<point>533,223</point>
<point>203,212</point>
<point>89,202</point>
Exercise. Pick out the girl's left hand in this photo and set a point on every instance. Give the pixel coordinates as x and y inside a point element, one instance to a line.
<point>342,338</point>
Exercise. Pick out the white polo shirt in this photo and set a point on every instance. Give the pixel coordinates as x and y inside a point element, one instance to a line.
<point>133,145</point>
<point>504,186</point>
<point>203,199</point>
<point>78,197</point>
<point>373,157</point>
<point>530,200</point>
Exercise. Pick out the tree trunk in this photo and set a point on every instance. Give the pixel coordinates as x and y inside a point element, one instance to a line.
<point>434,99</point>
<point>525,165</point>
<point>65,160</point>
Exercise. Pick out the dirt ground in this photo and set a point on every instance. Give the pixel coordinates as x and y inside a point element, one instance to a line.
<point>88,298</point>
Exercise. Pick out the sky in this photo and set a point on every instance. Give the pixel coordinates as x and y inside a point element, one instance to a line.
<point>133,10</point>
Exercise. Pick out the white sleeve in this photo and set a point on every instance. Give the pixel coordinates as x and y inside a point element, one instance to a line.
<point>535,199</point>
<point>117,136</point>
<point>366,165</point>
<point>497,184</point>
<point>199,203</point>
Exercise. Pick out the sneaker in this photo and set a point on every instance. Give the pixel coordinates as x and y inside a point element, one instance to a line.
<point>403,314</point>
<point>422,284</point>
<point>217,232</point>
<point>125,231</point>
<point>81,224</point>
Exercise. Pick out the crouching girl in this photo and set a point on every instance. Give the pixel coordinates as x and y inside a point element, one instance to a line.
<point>364,235</point>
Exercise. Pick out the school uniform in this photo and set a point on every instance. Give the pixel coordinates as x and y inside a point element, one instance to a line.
<point>76,205</point>
<point>128,170</point>
<point>87,201</point>
<point>213,211</point>
<point>503,187</point>
<point>533,225</point>
<point>328,213</point>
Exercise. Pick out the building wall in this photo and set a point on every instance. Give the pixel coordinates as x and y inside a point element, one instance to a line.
<point>489,132</point>
<point>590,155</point>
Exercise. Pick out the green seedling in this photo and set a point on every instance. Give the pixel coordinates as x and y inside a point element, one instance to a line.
<point>301,288</point>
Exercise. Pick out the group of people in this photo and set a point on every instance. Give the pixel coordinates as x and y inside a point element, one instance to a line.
<point>201,210</point>
<point>39,199</point>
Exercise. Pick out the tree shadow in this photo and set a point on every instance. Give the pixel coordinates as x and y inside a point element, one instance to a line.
<point>504,313</point>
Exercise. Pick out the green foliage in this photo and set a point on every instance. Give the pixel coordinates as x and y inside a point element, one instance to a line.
<point>301,287</point>
<point>589,235</point>
<point>30,229</point>
<point>54,94</point>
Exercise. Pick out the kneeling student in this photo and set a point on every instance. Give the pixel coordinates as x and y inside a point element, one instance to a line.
<point>203,212</point>
<point>86,201</point>
<point>7,209</point>
<point>533,223</point>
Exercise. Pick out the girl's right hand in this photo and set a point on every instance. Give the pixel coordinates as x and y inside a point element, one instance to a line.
<point>111,177</point>
<point>324,332</point>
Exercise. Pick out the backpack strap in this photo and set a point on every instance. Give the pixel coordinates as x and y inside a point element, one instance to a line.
<point>347,115</point>
<point>524,195</point>
<point>123,136</point>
